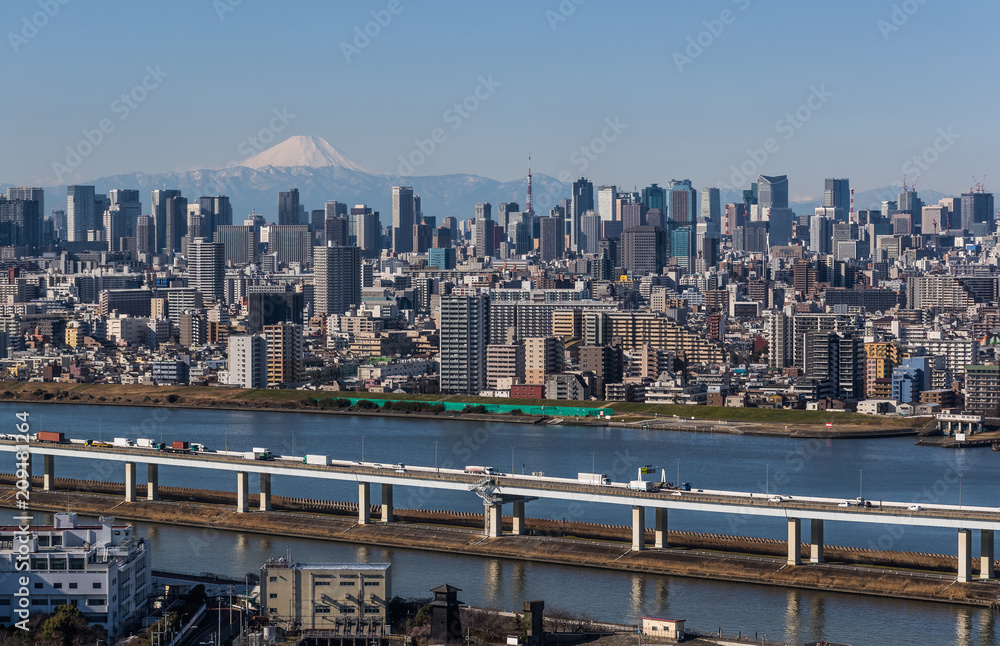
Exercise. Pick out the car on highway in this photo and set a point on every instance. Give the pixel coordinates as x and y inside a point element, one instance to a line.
<point>846,503</point>
<point>915,508</point>
<point>775,499</point>
<point>676,493</point>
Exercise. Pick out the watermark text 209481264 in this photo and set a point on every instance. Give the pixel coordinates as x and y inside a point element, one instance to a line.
<point>22,537</point>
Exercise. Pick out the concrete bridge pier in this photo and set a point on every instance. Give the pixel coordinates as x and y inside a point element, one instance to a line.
<point>242,492</point>
<point>638,528</point>
<point>964,555</point>
<point>49,472</point>
<point>986,554</point>
<point>265,492</point>
<point>794,541</point>
<point>387,503</point>
<point>152,481</point>
<point>816,541</point>
<point>130,482</point>
<point>494,516</point>
<point>517,519</point>
<point>364,503</point>
<point>660,528</point>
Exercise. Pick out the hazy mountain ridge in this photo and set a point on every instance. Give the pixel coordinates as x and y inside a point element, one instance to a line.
<point>322,173</point>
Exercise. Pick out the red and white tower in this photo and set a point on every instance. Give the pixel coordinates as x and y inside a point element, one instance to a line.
<point>527,207</point>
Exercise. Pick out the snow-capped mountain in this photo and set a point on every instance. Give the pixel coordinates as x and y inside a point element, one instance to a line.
<point>302,150</point>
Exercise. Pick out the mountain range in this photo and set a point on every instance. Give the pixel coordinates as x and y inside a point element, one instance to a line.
<point>322,173</point>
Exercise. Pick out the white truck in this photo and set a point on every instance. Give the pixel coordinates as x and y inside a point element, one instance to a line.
<point>316,459</point>
<point>145,443</point>
<point>259,453</point>
<point>593,478</point>
<point>639,485</point>
<point>123,442</point>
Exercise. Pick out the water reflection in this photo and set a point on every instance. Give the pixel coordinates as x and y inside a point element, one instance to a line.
<point>793,612</point>
<point>638,596</point>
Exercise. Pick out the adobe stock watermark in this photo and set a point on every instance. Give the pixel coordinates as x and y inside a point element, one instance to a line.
<point>122,107</point>
<point>697,44</point>
<point>364,35</point>
<point>562,13</point>
<point>786,126</point>
<point>455,116</point>
<point>582,157</point>
<point>30,25</point>
<point>222,7</point>
<point>926,158</point>
<point>899,16</point>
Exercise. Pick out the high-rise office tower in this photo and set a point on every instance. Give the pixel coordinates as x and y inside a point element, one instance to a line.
<point>127,201</point>
<point>334,232</point>
<point>369,230</point>
<point>402,219</point>
<point>682,249</point>
<point>953,212</point>
<point>288,207</point>
<point>484,230</point>
<point>977,209</point>
<point>337,279</point>
<point>80,216</point>
<point>644,250</point>
<point>503,218</point>
<point>820,234</point>
<point>581,201</point>
<point>160,197</point>
<point>247,361</point>
<point>206,268</point>
<point>654,196</point>
<point>633,214</point>
<point>28,193</point>
<point>239,243</point>
<point>711,205</point>
<point>115,228</point>
<point>837,194</point>
<point>465,333</point>
<point>145,234</point>
<point>20,223</point>
<point>550,238</point>
<point>910,203</point>
<point>607,202</point>
<point>772,193</point>
<point>292,243</point>
<point>216,211</point>
<point>683,204</point>
<point>590,232</point>
<point>176,215</point>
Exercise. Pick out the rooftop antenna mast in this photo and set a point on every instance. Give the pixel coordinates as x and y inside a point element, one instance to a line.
<point>852,206</point>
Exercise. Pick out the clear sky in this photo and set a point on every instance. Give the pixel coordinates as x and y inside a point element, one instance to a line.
<point>886,80</point>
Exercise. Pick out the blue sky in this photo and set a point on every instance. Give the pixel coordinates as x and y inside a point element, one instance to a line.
<point>897,79</point>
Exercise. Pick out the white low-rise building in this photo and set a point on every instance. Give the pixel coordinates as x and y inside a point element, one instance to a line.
<point>102,570</point>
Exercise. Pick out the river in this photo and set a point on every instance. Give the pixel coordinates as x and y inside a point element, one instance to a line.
<point>886,468</point>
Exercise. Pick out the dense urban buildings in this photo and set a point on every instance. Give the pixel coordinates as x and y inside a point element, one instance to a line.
<point>661,295</point>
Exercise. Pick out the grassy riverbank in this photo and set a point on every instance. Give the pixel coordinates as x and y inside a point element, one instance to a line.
<point>766,420</point>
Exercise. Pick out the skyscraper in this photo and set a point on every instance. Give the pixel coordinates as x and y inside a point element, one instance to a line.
<point>772,193</point>
<point>644,250</point>
<point>402,219</point>
<point>216,211</point>
<point>145,235</point>
<point>977,208</point>
<point>20,223</point>
<point>581,201</point>
<point>285,354</point>
<point>683,206</point>
<point>550,238</point>
<point>292,243</point>
<point>288,207</point>
<point>607,202</point>
<point>485,228</point>
<point>337,279</point>
<point>160,197</point>
<point>239,243</point>
<point>590,232</point>
<point>368,230</point>
<point>206,268</point>
<point>711,205</point>
<point>34,194</point>
<point>176,216</point>
<point>465,333</point>
<point>654,196</point>
<point>837,194</point>
<point>80,217</point>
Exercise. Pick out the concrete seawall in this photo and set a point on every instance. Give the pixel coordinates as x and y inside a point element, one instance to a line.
<point>693,555</point>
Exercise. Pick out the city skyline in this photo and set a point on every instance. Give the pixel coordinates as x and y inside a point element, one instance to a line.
<point>733,118</point>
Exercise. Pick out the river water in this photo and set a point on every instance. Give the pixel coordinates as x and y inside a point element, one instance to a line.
<point>887,469</point>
